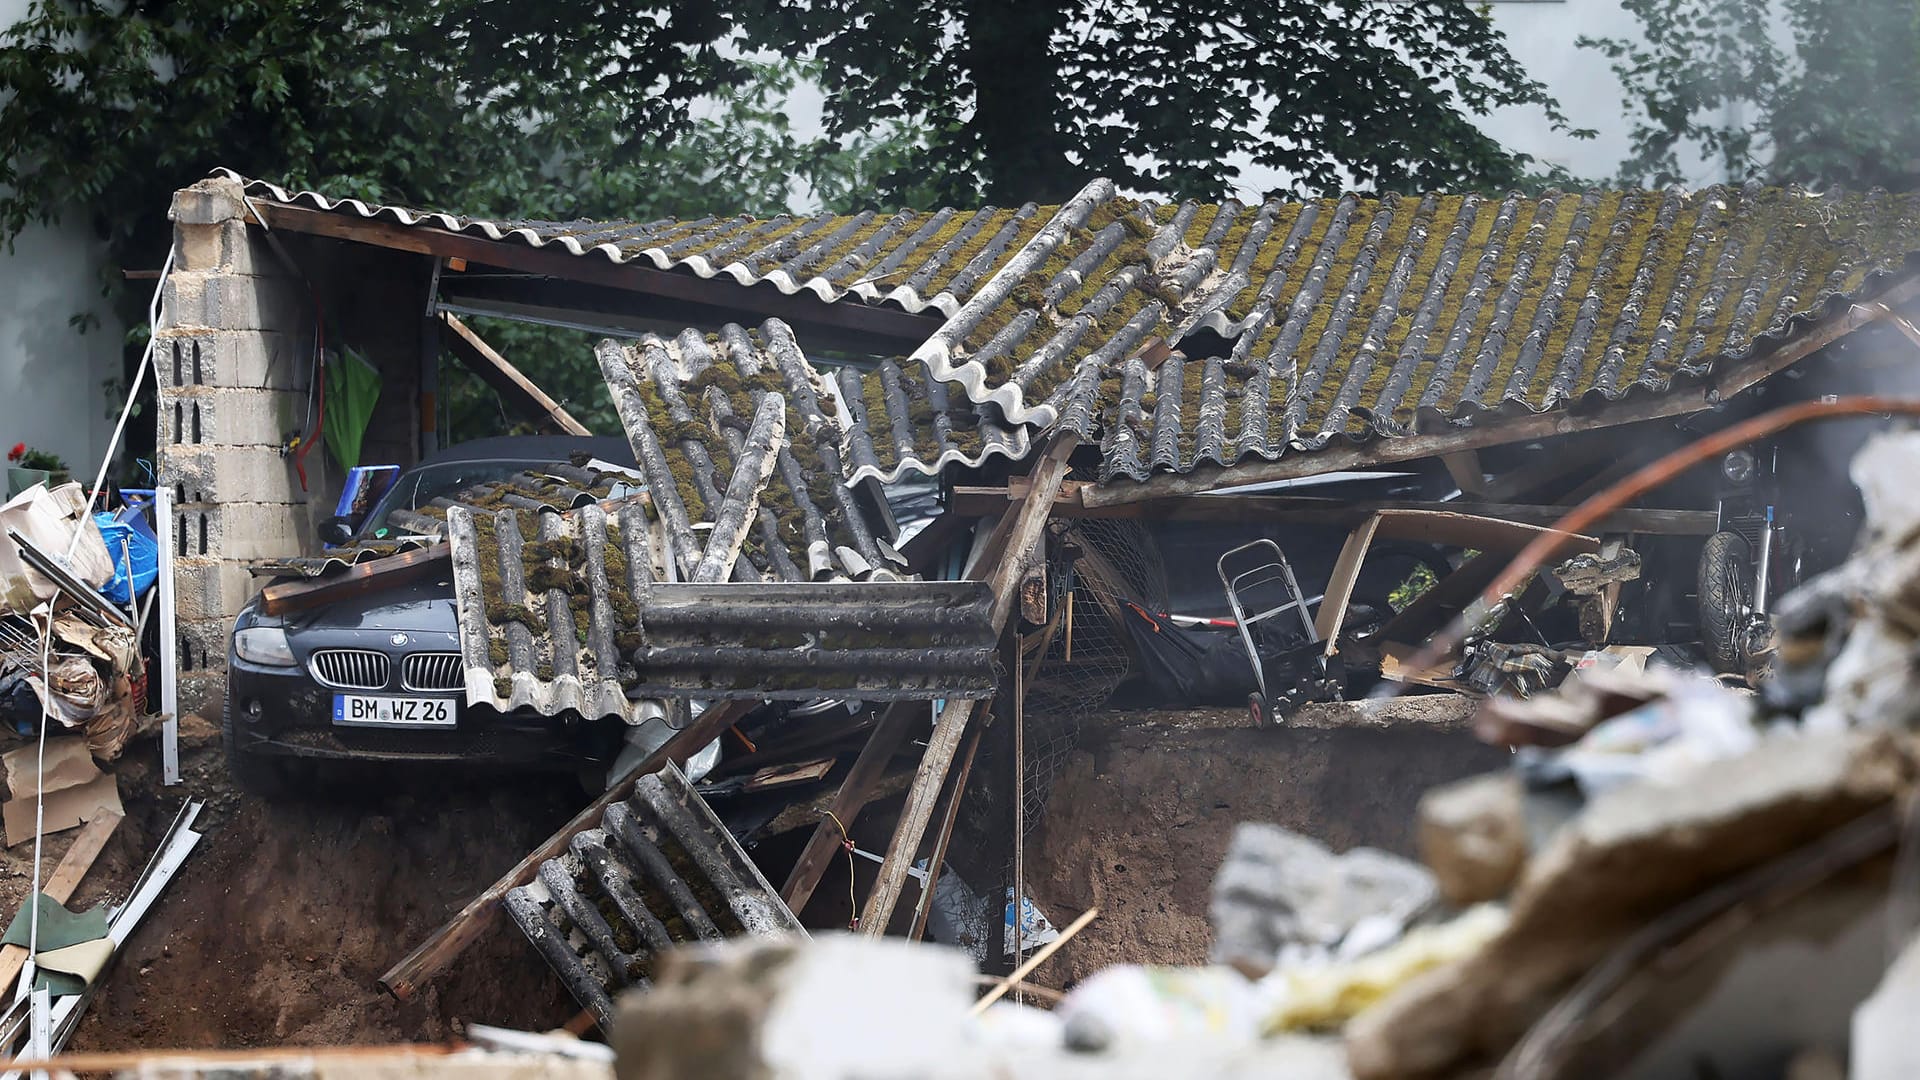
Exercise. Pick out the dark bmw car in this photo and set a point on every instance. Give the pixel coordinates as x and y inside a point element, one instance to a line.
<point>378,676</point>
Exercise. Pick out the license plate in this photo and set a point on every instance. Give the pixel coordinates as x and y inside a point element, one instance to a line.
<point>351,709</point>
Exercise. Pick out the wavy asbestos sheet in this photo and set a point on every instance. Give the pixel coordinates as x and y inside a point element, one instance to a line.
<point>916,261</point>
<point>1194,334</point>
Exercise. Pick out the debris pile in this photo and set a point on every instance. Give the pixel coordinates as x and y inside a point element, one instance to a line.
<point>65,648</point>
<point>1660,838</point>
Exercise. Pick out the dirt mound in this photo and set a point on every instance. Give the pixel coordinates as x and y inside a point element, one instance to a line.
<point>284,918</point>
<point>1140,818</point>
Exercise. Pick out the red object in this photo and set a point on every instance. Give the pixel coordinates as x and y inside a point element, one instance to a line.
<point>19,451</point>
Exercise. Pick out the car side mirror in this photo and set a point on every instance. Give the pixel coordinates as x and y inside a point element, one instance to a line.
<point>336,530</point>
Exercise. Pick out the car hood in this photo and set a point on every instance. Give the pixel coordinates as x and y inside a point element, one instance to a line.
<point>425,605</point>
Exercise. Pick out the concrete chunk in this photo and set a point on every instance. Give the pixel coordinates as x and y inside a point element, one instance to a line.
<point>228,247</point>
<point>221,301</point>
<point>1278,891</point>
<point>233,359</point>
<point>1630,855</point>
<point>1473,836</point>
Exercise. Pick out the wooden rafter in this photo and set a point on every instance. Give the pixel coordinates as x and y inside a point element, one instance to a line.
<point>493,369</point>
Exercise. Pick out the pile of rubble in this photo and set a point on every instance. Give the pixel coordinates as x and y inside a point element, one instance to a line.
<point>1675,874</point>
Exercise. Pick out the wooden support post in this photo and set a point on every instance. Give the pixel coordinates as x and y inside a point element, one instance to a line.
<point>889,735</point>
<point>1030,521</point>
<point>508,381</point>
<point>364,577</point>
<point>924,909</point>
<point>1019,808</point>
<point>445,945</point>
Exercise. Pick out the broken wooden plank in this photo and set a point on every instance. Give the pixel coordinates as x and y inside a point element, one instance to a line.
<point>66,877</point>
<point>356,580</point>
<point>868,768</point>
<point>774,776</point>
<point>493,369</point>
<point>1030,521</point>
<point>1340,583</point>
<point>445,945</point>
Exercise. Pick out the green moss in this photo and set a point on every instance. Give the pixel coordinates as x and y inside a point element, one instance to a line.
<point>497,652</point>
<point>543,579</point>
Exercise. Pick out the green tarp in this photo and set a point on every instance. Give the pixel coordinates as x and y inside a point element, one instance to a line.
<point>353,385</point>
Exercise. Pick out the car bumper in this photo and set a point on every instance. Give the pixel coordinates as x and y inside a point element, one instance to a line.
<point>283,712</point>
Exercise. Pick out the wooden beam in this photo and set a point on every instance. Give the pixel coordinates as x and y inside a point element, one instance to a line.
<point>801,309</point>
<point>1465,469</point>
<point>948,816</point>
<point>889,735</point>
<point>65,878</point>
<point>1317,510</point>
<point>481,359</point>
<point>445,945</point>
<point>1030,521</point>
<point>1565,457</point>
<point>355,580</point>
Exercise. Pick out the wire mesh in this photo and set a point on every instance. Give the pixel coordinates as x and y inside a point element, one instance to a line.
<point>1097,567</point>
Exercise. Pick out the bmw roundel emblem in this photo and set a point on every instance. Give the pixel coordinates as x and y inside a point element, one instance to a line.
<point>398,639</point>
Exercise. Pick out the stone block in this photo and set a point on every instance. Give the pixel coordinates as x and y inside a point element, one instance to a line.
<point>1473,836</point>
<point>208,588</point>
<point>208,416</point>
<point>228,247</point>
<point>230,474</point>
<point>218,301</point>
<point>208,202</point>
<point>242,531</point>
<point>757,1007</point>
<point>200,645</point>
<point>233,359</point>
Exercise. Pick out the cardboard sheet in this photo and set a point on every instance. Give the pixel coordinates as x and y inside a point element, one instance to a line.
<point>76,790</point>
<point>49,518</point>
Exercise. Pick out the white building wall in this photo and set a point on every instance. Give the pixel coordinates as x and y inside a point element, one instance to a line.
<point>50,373</point>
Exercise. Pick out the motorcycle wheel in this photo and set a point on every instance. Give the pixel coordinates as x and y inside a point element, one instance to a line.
<point>1726,595</point>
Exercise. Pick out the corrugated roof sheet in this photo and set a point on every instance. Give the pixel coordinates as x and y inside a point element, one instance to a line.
<point>690,407</point>
<point>1290,323</point>
<point>565,612</point>
<point>560,486</point>
<point>916,260</point>
<point>659,871</point>
<point>1371,317</point>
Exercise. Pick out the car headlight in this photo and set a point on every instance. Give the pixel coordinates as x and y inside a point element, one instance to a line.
<point>263,645</point>
<point>1737,467</point>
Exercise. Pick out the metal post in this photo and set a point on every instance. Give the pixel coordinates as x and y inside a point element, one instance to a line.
<point>169,645</point>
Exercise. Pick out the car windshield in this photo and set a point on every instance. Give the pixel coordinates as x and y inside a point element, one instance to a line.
<point>418,487</point>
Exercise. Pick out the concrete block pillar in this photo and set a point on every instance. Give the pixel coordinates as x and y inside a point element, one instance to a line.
<point>233,363</point>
